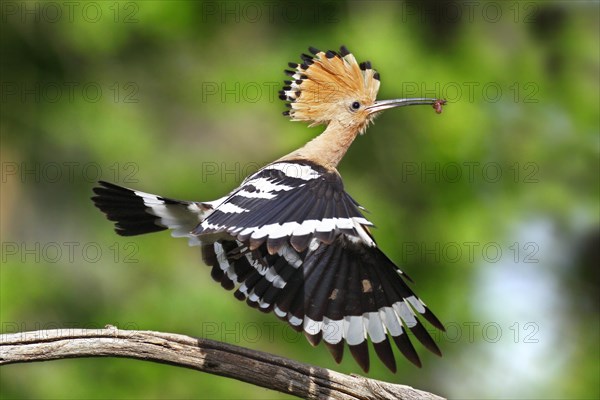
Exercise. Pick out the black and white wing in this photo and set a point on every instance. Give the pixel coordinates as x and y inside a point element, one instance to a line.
<point>293,242</point>
<point>288,202</point>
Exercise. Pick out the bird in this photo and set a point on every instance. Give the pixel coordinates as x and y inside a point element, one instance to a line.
<point>290,240</point>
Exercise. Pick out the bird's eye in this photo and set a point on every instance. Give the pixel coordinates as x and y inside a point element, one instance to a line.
<point>355,105</point>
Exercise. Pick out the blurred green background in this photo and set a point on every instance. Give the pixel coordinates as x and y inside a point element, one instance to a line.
<point>491,207</point>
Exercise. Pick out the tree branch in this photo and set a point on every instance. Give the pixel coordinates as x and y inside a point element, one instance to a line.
<point>255,367</point>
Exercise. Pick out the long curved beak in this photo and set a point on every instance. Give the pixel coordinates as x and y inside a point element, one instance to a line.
<point>381,105</point>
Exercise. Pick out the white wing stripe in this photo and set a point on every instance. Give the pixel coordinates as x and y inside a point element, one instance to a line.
<point>312,327</point>
<point>265,185</point>
<point>294,320</point>
<point>417,304</point>
<point>290,255</point>
<point>277,230</point>
<point>354,330</point>
<point>223,263</point>
<point>405,313</point>
<point>375,327</point>
<point>333,330</point>
<point>255,195</point>
<point>390,318</point>
<point>279,312</point>
<point>230,208</point>
<point>293,170</point>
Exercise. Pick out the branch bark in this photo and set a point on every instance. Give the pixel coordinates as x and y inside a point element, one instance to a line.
<point>255,367</point>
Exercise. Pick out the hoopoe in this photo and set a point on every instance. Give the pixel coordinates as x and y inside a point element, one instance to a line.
<point>289,239</point>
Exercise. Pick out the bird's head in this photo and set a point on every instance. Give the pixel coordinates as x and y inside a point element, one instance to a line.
<point>332,86</point>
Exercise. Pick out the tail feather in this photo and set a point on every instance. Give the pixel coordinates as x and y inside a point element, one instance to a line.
<point>136,213</point>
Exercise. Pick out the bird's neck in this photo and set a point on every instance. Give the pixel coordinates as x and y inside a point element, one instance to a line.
<point>328,148</point>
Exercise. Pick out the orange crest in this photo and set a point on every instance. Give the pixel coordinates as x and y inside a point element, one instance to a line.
<point>324,83</point>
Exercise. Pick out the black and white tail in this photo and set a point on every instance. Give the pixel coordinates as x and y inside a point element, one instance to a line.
<point>136,213</point>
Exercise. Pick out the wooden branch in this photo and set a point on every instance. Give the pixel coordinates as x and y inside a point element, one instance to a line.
<point>255,367</point>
